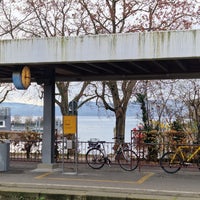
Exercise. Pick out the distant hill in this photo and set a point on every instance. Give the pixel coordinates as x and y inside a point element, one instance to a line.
<point>23,109</point>
<point>89,109</point>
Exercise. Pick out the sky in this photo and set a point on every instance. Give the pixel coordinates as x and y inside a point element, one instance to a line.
<point>29,96</point>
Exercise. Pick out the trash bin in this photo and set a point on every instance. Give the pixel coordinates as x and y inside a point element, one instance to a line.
<point>4,156</point>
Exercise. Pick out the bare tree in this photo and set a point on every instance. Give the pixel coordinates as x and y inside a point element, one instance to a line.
<point>189,94</point>
<point>49,18</point>
<point>67,93</point>
<point>115,97</point>
<point>82,17</point>
<point>161,101</point>
<point>44,19</point>
<point>5,89</point>
<point>12,19</point>
<point>124,16</point>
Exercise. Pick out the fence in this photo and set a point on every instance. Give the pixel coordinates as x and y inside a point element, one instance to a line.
<point>148,153</point>
<point>31,150</point>
<point>25,151</point>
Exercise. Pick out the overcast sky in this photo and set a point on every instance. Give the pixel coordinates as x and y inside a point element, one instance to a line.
<point>30,96</point>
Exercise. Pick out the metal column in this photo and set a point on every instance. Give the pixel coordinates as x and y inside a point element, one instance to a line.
<point>48,137</point>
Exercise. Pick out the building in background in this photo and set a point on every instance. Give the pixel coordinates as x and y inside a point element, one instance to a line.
<point>5,118</point>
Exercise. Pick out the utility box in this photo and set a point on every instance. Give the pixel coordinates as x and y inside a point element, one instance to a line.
<point>4,156</point>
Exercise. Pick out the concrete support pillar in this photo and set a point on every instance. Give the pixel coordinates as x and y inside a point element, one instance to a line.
<point>48,137</point>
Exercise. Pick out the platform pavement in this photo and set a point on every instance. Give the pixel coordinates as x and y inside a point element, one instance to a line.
<point>146,183</point>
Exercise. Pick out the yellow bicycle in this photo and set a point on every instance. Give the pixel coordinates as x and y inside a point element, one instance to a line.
<point>184,155</point>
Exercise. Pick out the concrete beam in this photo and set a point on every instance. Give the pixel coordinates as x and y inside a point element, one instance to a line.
<point>116,47</point>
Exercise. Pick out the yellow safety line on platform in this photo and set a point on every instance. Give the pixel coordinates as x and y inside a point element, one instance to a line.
<point>140,181</point>
<point>43,175</point>
<point>144,178</point>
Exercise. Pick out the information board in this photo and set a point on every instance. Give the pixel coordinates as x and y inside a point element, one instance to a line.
<point>69,124</point>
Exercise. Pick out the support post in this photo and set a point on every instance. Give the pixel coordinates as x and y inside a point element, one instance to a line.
<point>48,138</point>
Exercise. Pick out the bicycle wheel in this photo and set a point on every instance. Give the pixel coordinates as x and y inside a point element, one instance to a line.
<point>95,158</point>
<point>128,160</point>
<point>171,162</point>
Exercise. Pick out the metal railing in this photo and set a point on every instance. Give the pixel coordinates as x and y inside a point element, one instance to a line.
<point>32,150</point>
<point>25,151</point>
<point>148,153</point>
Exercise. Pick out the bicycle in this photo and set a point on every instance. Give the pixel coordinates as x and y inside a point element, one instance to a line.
<point>172,162</point>
<point>97,157</point>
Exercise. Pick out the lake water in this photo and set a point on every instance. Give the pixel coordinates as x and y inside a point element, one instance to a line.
<point>89,127</point>
<point>102,127</point>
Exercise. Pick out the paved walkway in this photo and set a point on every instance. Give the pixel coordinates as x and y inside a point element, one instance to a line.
<point>148,183</point>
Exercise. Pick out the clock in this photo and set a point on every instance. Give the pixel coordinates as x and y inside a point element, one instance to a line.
<point>26,77</point>
<point>22,78</point>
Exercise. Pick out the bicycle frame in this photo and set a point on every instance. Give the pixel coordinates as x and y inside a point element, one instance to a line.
<point>119,149</point>
<point>172,161</point>
<point>97,156</point>
<point>103,150</point>
<point>180,152</point>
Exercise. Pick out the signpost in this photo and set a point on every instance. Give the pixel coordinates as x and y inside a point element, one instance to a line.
<point>70,129</point>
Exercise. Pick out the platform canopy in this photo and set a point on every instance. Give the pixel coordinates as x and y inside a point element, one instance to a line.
<point>152,55</point>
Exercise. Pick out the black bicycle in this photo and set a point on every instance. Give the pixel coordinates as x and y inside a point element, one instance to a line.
<point>97,157</point>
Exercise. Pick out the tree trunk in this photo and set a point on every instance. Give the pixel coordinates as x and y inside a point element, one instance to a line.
<point>120,123</point>
<point>198,129</point>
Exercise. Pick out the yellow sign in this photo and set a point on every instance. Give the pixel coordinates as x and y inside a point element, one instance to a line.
<point>69,124</point>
